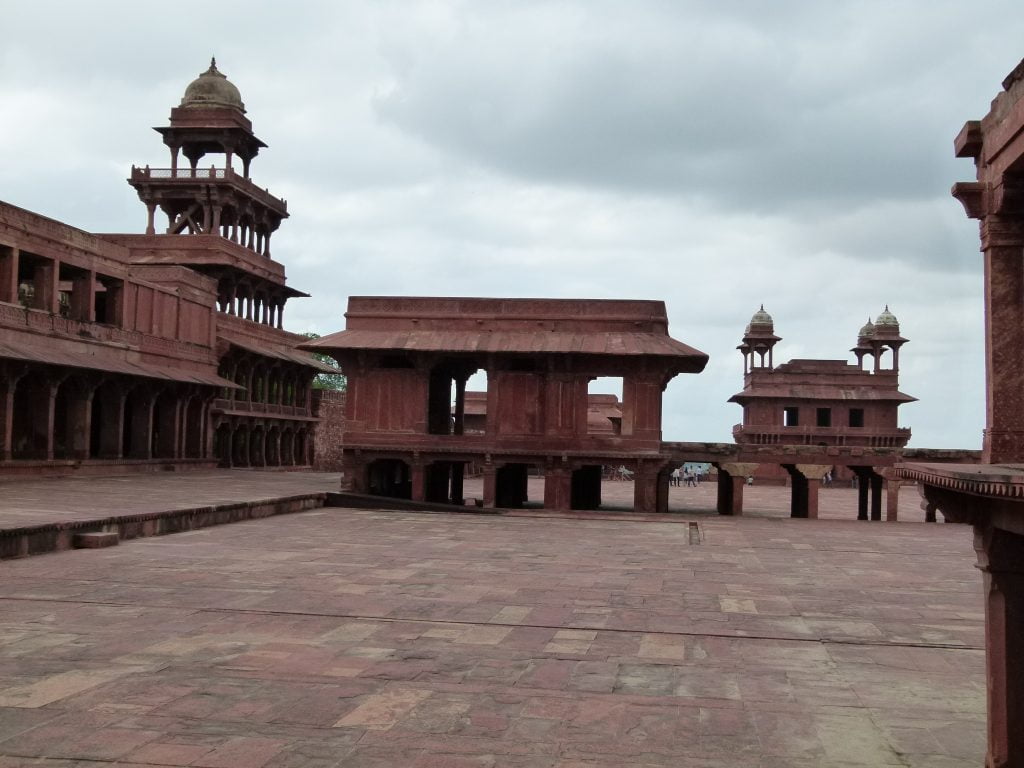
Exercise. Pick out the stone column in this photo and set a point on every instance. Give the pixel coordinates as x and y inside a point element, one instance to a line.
<point>892,495</point>
<point>813,473</point>
<point>79,426</point>
<point>645,488</point>
<point>736,475</point>
<point>490,476</point>
<point>47,296</point>
<point>7,387</point>
<point>418,480</point>
<point>557,487</point>
<point>1001,560</point>
<point>1003,246</point>
<point>46,419</point>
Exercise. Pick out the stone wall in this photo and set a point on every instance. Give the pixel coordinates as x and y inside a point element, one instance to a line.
<point>327,438</point>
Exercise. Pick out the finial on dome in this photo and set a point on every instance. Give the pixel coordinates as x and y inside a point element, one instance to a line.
<point>213,62</point>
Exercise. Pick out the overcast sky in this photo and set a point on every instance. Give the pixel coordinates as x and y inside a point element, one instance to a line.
<point>715,155</point>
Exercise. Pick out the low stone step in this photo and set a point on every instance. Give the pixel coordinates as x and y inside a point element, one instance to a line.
<point>95,539</point>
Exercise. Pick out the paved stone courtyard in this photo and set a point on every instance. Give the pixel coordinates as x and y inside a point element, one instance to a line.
<point>361,638</point>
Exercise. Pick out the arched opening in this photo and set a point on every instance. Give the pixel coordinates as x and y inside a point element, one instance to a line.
<point>222,445</point>
<point>300,448</point>
<point>240,446</point>
<point>273,453</point>
<point>389,477</point>
<point>256,447</point>
<point>31,417</point>
<point>194,427</point>
<point>165,425</point>
<point>287,447</point>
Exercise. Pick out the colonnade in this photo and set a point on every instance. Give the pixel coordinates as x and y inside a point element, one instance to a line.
<point>258,304</point>
<point>246,442</point>
<point>55,413</point>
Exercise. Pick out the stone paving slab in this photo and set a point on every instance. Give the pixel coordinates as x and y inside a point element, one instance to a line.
<point>46,501</point>
<point>361,638</point>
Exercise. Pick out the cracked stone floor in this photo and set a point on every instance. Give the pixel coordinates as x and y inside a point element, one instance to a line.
<point>365,638</point>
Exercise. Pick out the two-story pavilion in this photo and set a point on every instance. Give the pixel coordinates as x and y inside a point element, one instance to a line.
<point>408,359</point>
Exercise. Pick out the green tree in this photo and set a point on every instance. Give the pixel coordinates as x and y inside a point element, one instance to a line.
<point>333,381</point>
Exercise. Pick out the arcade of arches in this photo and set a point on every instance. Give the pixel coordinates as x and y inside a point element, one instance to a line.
<point>267,421</point>
<point>54,413</point>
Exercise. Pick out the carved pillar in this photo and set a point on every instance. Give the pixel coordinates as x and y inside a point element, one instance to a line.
<point>7,387</point>
<point>45,419</point>
<point>78,432</point>
<point>490,477</point>
<point>47,296</point>
<point>1004,347</point>
<point>892,496</point>
<point>557,487</point>
<point>645,488</point>
<point>418,479</point>
<point>112,426</point>
<point>1001,559</point>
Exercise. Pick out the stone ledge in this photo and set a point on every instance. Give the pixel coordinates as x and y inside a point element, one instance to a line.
<point>56,537</point>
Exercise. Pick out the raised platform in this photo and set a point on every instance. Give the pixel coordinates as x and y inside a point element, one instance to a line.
<point>46,515</point>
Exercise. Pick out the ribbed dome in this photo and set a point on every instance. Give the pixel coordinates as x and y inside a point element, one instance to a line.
<point>212,89</point>
<point>867,331</point>
<point>887,318</point>
<point>761,318</point>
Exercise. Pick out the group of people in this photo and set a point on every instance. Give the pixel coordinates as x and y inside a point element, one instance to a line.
<point>685,477</point>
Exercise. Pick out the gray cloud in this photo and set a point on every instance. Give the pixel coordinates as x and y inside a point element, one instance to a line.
<point>712,155</point>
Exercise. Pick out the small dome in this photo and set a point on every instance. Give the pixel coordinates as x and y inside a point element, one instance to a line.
<point>867,331</point>
<point>887,318</point>
<point>212,89</point>
<point>761,318</point>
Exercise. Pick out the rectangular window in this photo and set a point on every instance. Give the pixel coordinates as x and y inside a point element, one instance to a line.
<point>791,416</point>
<point>824,417</point>
<point>856,417</point>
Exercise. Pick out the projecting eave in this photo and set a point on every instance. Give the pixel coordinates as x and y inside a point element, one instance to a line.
<point>680,357</point>
<point>851,394</point>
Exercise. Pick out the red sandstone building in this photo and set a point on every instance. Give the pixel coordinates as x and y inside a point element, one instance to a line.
<point>824,403</point>
<point>408,359</point>
<point>991,496</point>
<point>157,350</point>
